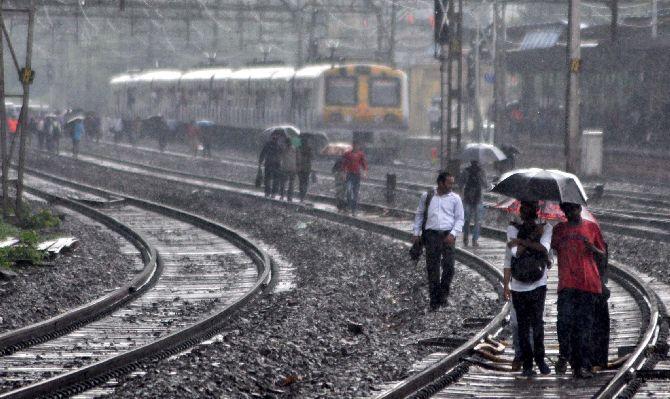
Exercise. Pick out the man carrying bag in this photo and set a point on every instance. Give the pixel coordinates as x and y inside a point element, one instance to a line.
<point>443,223</point>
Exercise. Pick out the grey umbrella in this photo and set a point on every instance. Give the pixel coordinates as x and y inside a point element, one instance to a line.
<point>541,184</point>
<point>482,152</point>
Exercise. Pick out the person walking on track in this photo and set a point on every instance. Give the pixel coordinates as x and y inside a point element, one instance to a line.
<point>355,165</point>
<point>525,283</point>
<point>576,242</point>
<point>442,211</point>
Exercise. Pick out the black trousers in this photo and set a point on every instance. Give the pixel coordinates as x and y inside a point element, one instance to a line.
<point>529,307</point>
<point>574,325</point>
<point>303,182</point>
<point>439,265</point>
<point>272,180</point>
<point>601,332</point>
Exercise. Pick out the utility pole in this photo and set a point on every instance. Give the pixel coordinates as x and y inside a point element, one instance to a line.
<point>442,40</point>
<point>3,125</point>
<point>614,23</point>
<point>477,114</point>
<point>26,79</point>
<point>499,102</point>
<point>654,18</point>
<point>391,53</point>
<point>572,134</point>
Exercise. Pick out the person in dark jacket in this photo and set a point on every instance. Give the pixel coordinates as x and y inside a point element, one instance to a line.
<point>270,157</point>
<point>473,181</point>
<point>304,167</point>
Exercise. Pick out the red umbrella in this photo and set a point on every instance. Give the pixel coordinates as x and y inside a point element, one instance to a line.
<point>548,210</point>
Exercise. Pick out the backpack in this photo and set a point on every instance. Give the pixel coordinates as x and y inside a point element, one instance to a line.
<point>529,266</point>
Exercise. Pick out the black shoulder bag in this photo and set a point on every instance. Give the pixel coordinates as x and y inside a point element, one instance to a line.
<point>417,248</point>
<point>529,266</point>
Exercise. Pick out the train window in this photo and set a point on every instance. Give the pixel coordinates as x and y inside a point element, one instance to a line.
<point>385,92</point>
<point>341,90</point>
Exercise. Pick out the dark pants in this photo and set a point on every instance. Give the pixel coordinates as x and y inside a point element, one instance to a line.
<point>529,307</point>
<point>574,326</point>
<point>287,180</point>
<point>75,148</point>
<point>601,332</point>
<point>439,255</point>
<point>353,185</point>
<point>272,180</point>
<point>303,181</point>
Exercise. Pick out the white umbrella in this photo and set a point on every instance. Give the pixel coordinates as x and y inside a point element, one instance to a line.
<point>481,152</point>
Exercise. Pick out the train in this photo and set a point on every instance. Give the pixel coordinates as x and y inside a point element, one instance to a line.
<point>366,102</point>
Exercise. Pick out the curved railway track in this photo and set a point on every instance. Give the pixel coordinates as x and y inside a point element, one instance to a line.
<point>199,274</point>
<point>634,311</point>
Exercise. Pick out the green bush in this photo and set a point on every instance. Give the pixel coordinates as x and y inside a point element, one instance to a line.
<point>40,220</point>
<point>23,252</point>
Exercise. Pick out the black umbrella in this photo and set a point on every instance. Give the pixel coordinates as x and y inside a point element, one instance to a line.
<point>540,184</point>
<point>481,152</point>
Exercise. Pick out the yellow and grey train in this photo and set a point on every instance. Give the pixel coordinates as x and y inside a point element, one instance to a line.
<point>337,100</point>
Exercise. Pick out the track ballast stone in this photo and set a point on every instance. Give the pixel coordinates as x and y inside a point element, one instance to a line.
<point>300,343</point>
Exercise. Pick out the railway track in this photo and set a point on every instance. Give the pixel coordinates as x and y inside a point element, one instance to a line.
<point>634,310</point>
<point>197,274</point>
<point>642,224</point>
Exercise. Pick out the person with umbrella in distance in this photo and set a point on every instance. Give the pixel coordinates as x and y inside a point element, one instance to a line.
<point>472,181</point>
<point>442,211</point>
<point>77,133</point>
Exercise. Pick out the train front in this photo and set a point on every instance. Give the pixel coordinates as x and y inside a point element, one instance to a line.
<point>367,103</point>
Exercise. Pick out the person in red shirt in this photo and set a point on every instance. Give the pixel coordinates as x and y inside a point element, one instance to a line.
<point>354,164</point>
<point>575,243</point>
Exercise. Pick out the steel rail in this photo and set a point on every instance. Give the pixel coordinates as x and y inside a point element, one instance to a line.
<point>14,340</point>
<point>94,374</point>
<point>639,288</point>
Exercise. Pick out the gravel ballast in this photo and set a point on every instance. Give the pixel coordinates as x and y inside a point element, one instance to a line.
<point>70,280</point>
<point>351,322</point>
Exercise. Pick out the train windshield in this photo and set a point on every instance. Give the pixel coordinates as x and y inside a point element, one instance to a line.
<point>385,92</point>
<point>341,91</point>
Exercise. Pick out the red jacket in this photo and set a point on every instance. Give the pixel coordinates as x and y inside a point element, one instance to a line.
<point>354,161</point>
<point>576,266</point>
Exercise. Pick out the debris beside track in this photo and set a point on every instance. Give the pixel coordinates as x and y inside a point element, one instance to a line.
<point>302,336</point>
<point>41,292</point>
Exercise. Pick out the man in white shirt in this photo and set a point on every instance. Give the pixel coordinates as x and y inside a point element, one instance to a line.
<point>444,222</point>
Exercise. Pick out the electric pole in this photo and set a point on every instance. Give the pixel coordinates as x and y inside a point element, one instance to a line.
<point>572,134</point>
<point>26,80</point>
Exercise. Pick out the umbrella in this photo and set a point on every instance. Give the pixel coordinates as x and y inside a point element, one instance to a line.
<point>548,210</point>
<point>482,152</point>
<point>75,118</point>
<point>541,184</point>
<point>204,123</point>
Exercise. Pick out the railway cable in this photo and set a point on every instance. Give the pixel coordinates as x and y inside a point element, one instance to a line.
<point>629,291</point>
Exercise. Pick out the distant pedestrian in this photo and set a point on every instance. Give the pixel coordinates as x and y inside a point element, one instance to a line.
<point>135,131</point>
<point>78,132</point>
<point>444,223</point>
<point>304,167</point>
<point>579,286</point>
<point>289,168</point>
<point>270,157</point>
<point>193,137</point>
<point>340,179</point>
<point>528,242</point>
<point>473,181</point>
<point>355,166</point>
